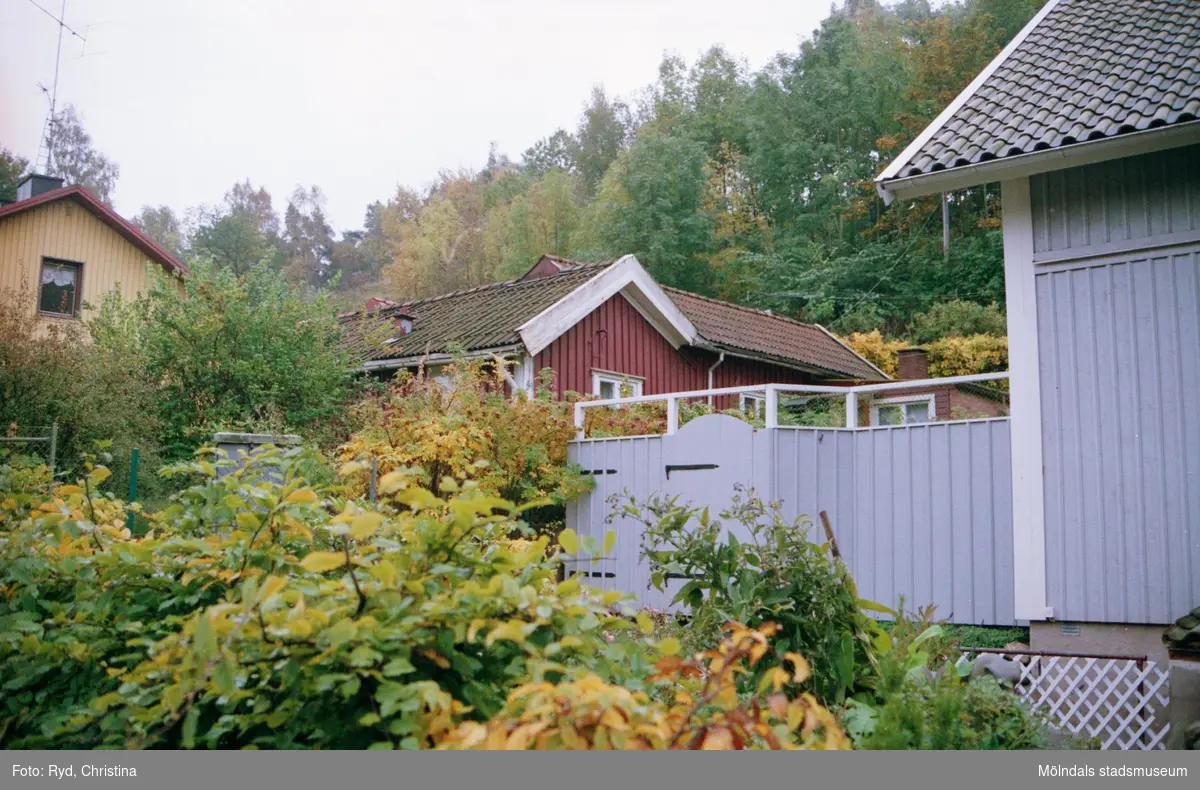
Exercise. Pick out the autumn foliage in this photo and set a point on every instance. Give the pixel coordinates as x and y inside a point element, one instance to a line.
<point>265,610</point>
<point>705,711</point>
<point>466,427</point>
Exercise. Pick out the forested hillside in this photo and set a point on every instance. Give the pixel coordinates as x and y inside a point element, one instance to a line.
<point>753,186</point>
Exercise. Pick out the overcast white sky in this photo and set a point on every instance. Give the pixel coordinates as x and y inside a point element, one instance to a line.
<point>356,96</point>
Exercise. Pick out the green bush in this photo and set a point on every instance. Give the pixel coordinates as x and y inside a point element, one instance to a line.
<point>958,317</point>
<point>779,576</point>
<point>50,373</point>
<point>924,698</point>
<point>231,352</point>
<point>264,611</point>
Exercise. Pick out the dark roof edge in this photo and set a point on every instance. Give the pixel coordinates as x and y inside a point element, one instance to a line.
<point>847,346</point>
<point>126,229</point>
<point>898,164</point>
<point>783,362</point>
<point>1023,165</point>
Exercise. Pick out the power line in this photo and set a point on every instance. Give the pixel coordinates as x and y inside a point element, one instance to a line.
<point>912,295</point>
<point>56,19</point>
<point>916,237</point>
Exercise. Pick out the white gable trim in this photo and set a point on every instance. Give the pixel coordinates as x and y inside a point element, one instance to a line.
<point>902,161</point>
<point>626,277</point>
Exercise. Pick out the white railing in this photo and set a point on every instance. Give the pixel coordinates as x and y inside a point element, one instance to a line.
<point>771,393</point>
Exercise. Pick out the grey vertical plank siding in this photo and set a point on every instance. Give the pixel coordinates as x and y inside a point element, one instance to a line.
<point>1119,344</point>
<point>921,511</point>
<point>1152,197</point>
<point>943,540</point>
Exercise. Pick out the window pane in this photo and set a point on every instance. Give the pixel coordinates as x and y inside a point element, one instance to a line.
<point>917,412</point>
<point>891,415</point>
<point>607,390</point>
<point>58,288</point>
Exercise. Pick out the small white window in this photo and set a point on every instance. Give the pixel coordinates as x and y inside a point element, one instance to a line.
<point>615,385</point>
<point>906,410</point>
<point>754,404</point>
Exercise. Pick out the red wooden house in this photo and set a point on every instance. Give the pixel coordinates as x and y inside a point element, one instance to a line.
<point>603,328</point>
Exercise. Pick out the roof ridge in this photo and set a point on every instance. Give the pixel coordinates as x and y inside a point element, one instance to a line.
<point>515,283</point>
<point>123,227</point>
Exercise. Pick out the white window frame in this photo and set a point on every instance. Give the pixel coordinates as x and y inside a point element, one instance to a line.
<point>759,399</point>
<point>635,383</point>
<point>904,400</point>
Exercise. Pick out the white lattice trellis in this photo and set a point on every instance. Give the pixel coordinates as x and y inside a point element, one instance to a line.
<point>1120,701</point>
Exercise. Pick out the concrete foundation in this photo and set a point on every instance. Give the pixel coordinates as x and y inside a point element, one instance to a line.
<point>1185,703</point>
<point>1099,638</point>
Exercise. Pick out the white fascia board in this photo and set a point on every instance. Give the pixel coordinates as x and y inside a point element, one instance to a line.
<point>1024,165</point>
<point>1025,413</point>
<point>626,277</point>
<point>905,157</point>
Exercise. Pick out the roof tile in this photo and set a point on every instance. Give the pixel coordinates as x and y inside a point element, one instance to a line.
<point>489,317</point>
<point>1141,56</point>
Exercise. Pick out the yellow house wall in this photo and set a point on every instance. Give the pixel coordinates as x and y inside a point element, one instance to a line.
<point>69,232</point>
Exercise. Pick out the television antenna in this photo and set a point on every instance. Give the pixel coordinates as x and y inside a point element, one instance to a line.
<point>45,155</point>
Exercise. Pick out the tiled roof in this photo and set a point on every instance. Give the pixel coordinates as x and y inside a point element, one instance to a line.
<point>1090,69</point>
<point>736,329</point>
<point>482,318</point>
<point>490,316</point>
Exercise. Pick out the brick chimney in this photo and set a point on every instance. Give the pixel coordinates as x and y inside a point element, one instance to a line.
<point>914,364</point>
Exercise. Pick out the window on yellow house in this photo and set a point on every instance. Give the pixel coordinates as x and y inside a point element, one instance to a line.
<point>58,290</point>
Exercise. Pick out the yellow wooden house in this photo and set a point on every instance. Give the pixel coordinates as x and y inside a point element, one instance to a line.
<point>61,247</point>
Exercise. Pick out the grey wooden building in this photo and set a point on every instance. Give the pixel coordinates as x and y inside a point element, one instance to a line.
<point>1088,120</point>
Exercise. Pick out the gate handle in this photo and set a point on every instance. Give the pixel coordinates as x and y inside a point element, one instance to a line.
<point>688,468</point>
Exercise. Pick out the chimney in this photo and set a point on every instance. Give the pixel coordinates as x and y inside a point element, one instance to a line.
<point>34,184</point>
<point>914,364</point>
<point>375,303</point>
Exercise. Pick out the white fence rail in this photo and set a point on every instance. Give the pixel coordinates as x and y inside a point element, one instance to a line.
<point>771,393</point>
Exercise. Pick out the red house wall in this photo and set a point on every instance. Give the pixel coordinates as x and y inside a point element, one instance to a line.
<point>616,338</point>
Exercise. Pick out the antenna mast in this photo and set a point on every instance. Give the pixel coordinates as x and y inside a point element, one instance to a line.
<point>45,156</point>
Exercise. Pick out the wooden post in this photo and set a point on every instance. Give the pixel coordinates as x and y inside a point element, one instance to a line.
<point>672,415</point>
<point>837,555</point>
<point>53,447</point>
<point>851,409</point>
<point>578,420</point>
<point>134,455</point>
<point>771,418</point>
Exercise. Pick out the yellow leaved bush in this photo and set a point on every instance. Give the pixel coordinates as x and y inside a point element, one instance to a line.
<point>705,711</point>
